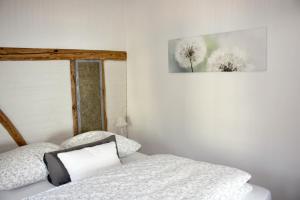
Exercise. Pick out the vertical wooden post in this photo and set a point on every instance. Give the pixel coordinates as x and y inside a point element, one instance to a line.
<point>74,97</point>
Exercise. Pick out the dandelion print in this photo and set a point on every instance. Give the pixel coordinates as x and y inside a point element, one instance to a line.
<point>236,51</point>
<point>190,52</point>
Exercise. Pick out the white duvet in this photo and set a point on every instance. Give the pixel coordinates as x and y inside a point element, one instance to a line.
<point>158,177</point>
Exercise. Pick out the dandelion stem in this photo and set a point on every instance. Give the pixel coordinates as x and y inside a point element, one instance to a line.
<point>191,65</point>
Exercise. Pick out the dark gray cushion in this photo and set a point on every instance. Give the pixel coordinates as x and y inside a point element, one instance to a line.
<point>58,174</point>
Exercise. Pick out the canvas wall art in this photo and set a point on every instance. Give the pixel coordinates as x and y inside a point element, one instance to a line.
<point>237,51</point>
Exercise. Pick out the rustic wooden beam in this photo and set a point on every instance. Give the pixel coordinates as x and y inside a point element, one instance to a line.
<point>11,129</point>
<point>21,54</point>
<point>74,97</point>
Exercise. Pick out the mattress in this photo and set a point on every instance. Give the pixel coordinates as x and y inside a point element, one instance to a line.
<point>258,193</point>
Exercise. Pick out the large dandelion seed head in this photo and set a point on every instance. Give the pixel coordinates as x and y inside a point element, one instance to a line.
<point>190,52</point>
<point>227,60</point>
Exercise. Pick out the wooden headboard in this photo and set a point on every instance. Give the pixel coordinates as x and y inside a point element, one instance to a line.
<point>41,54</point>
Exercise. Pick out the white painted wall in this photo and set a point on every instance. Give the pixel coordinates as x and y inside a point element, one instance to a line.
<point>36,95</point>
<point>116,93</point>
<point>247,120</point>
<point>88,24</point>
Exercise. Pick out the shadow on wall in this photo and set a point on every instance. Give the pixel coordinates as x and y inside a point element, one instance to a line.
<point>7,147</point>
<point>58,137</point>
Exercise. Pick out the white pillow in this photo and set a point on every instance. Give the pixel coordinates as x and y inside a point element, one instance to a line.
<point>125,146</point>
<point>24,165</point>
<point>89,161</point>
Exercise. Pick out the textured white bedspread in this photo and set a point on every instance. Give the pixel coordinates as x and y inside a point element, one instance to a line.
<point>158,177</point>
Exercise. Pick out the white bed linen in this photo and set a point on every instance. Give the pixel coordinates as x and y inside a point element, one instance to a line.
<point>29,190</point>
<point>258,193</point>
<point>42,186</point>
<point>161,176</point>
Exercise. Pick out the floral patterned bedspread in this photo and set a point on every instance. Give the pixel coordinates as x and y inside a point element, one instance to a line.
<point>158,177</point>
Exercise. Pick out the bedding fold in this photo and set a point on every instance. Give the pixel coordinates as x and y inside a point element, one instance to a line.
<point>157,177</point>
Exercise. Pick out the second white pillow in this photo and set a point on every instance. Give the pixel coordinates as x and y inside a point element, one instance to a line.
<point>89,161</point>
<point>125,145</point>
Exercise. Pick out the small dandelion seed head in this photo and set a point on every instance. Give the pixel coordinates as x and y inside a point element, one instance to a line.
<point>227,60</point>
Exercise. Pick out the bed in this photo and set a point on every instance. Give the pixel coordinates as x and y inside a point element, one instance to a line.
<point>257,193</point>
